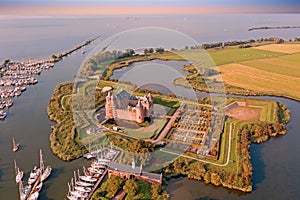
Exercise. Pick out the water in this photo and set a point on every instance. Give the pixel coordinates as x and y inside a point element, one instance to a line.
<point>275,163</point>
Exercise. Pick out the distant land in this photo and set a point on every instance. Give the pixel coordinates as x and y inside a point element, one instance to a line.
<point>272,27</point>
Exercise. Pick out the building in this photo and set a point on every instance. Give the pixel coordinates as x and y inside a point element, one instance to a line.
<point>127,107</point>
<point>127,171</point>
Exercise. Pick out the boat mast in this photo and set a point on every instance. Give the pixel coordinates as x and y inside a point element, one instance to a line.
<point>14,142</point>
<point>41,161</point>
<point>16,168</point>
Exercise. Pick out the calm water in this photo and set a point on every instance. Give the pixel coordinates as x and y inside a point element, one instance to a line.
<point>276,164</point>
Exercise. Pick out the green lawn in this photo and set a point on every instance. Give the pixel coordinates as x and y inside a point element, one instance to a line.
<point>148,131</point>
<point>226,56</point>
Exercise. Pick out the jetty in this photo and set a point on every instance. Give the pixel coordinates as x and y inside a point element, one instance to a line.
<point>84,186</point>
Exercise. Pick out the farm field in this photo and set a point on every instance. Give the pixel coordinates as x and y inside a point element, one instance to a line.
<point>260,81</point>
<point>283,48</point>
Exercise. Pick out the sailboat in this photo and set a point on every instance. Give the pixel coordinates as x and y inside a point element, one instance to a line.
<point>19,173</point>
<point>45,171</point>
<point>15,145</point>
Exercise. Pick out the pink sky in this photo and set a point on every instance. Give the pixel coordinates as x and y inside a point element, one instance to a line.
<point>139,9</point>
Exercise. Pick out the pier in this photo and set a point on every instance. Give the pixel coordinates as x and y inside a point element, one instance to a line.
<point>97,184</point>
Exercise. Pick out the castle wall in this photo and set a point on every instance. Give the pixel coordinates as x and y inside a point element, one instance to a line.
<point>133,114</point>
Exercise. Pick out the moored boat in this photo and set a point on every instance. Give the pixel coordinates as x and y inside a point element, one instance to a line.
<point>34,196</point>
<point>2,114</point>
<point>15,145</point>
<point>88,179</point>
<point>34,174</point>
<point>38,187</point>
<point>19,173</point>
<point>46,173</point>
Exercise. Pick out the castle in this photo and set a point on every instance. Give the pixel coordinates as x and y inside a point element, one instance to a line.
<point>127,107</point>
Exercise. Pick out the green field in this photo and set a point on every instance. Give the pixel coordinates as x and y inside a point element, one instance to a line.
<point>244,70</point>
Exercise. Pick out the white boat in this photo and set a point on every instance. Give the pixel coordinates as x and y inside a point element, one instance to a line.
<point>71,197</point>
<point>46,173</point>
<point>2,114</point>
<point>38,187</point>
<point>88,178</point>
<point>19,173</point>
<point>83,189</point>
<point>79,194</point>
<point>34,175</point>
<point>95,170</point>
<point>34,196</point>
<point>24,191</point>
<point>15,145</point>
<point>9,103</point>
<point>84,184</point>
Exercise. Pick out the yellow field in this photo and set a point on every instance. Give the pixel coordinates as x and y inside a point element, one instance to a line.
<point>282,48</point>
<point>260,80</point>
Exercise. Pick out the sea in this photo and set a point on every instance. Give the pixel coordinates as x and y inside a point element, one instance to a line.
<point>276,163</point>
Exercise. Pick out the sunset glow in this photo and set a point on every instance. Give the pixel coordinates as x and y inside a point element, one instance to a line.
<point>146,7</point>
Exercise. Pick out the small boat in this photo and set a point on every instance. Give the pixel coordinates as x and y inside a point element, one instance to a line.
<point>46,173</point>
<point>19,173</point>
<point>38,187</point>
<point>34,196</point>
<point>95,170</point>
<point>83,189</point>
<point>24,191</point>
<point>88,178</point>
<point>34,174</point>
<point>2,114</point>
<point>79,194</point>
<point>9,103</point>
<point>84,184</point>
<point>15,145</point>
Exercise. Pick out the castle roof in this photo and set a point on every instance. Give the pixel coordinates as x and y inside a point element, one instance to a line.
<point>139,105</point>
<point>124,168</point>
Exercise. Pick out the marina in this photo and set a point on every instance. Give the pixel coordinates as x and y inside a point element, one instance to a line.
<point>35,180</point>
<point>16,77</point>
<point>83,186</point>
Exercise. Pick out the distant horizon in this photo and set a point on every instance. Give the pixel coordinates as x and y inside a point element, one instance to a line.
<point>147,7</point>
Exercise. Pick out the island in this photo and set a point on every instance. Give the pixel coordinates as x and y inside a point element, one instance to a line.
<point>93,111</point>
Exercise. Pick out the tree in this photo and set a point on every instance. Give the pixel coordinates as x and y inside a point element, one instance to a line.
<point>156,191</point>
<point>151,50</point>
<point>215,179</point>
<point>160,50</point>
<point>130,52</point>
<point>146,51</point>
<point>130,188</point>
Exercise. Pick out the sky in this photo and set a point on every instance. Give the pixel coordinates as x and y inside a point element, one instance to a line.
<point>147,6</point>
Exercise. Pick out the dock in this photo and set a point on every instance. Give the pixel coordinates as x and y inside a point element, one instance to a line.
<point>97,184</point>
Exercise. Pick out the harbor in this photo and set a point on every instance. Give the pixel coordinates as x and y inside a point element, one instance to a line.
<point>83,186</point>
<point>16,77</point>
<point>35,181</point>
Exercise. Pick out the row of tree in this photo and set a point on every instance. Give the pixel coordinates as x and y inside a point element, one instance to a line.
<point>134,189</point>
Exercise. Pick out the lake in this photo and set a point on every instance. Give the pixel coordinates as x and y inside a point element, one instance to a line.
<point>276,164</point>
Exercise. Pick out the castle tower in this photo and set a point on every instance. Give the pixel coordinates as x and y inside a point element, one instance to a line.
<point>146,105</point>
<point>108,107</point>
<point>139,112</point>
<point>151,102</point>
